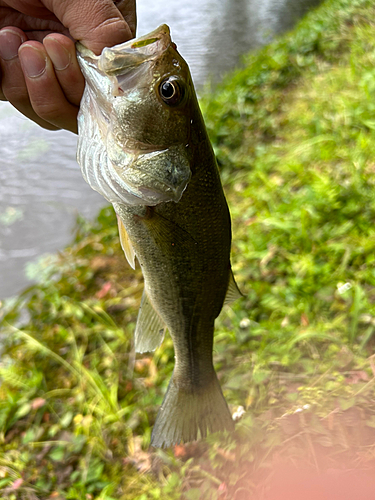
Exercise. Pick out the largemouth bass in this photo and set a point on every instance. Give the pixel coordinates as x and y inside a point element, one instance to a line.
<point>143,145</point>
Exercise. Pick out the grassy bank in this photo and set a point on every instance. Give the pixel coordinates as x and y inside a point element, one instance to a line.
<point>294,135</point>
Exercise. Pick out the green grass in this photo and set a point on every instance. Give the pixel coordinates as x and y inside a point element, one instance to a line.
<point>294,135</point>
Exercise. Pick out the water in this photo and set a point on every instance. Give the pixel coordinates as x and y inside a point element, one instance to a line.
<point>41,187</point>
<point>211,35</point>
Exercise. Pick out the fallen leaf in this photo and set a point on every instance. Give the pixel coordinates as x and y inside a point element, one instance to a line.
<point>38,403</point>
<point>106,288</point>
<point>304,320</point>
<point>17,483</point>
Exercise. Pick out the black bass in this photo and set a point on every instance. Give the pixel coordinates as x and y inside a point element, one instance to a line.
<point>143,145</point>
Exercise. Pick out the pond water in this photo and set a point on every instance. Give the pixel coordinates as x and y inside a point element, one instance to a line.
<point>41,187</point>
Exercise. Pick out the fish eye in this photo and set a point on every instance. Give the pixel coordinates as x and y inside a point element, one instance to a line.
<point>171,91</point>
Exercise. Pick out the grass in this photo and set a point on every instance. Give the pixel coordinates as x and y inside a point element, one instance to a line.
<point>294,135</point>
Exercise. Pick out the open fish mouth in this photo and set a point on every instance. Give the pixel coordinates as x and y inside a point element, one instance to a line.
<point>117,152</point>
<point>129,54</point>
<point>121,63</point>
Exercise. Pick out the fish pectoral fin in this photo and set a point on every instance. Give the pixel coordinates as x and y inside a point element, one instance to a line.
<point>126,243</point>
<point>233,292</point>
<point>169,236</point>
<point>150,328</point>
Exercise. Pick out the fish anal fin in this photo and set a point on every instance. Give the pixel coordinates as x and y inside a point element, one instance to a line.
<point>233,292</point>
<point>126,243</point>
<point>150,328</point>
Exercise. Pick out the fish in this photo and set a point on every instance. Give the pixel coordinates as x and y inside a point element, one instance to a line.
<point>144,146</point>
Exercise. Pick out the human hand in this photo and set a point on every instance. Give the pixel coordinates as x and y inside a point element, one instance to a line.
<point>39,74</point>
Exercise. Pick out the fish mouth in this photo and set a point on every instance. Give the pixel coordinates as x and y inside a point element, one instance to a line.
<point>123,65</point>
<point>116,60</point>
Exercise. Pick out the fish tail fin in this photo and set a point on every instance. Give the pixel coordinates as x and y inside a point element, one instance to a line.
<point>186,415</point>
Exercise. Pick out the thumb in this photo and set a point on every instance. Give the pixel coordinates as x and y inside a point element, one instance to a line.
<point>95,23</point>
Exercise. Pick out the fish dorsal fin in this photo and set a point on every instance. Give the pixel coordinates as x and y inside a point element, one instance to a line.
<point>126,243</point>
<point>233,292</point>
<point>150,328</point>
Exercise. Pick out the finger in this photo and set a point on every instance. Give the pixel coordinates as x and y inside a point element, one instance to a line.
<point>46,95</point>
<point>33,8</point>
<point>9,44</point>
<point>12,81</point>
<point>26,16</point>
<point>96,23</point>
<point>129,13</point>
<point>2,96</point>
<point>62,53</point>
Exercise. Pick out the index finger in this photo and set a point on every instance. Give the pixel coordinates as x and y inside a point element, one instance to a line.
<point>95,23</point>
<point>2,96</point>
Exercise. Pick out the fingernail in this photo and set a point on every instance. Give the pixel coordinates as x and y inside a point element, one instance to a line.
<point>32,60</point>
<point>60,57</point>
<point>9,44</point>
